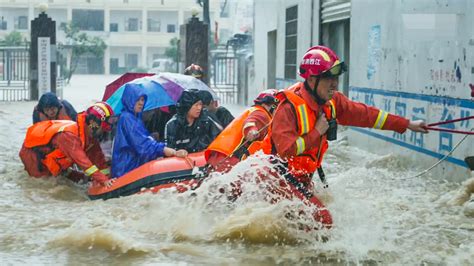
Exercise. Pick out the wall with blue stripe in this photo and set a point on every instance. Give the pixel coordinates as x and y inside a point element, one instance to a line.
<point>421,106</point>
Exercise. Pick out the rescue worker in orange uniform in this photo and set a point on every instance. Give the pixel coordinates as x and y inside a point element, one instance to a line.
<point>307,118</point>
<point>52,146</point>
<point>244,134</point>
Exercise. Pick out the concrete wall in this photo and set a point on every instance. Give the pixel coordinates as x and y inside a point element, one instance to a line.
<point>411,58</point>
<point>270,16</point>
<point>416,62</point>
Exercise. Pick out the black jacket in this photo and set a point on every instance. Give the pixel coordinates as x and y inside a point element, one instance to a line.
<point>224,116</point>
<point>194,138</point>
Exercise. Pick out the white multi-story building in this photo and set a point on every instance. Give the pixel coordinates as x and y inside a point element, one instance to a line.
<point>136,31</point>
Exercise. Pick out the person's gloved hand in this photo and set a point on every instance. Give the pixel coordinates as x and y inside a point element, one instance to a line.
<point>252,135</point>
<point>102,179</point>
<point>417,126</point>
<point>322,124</point>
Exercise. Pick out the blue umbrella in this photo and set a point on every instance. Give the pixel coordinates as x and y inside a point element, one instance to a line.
<point>156,95</point>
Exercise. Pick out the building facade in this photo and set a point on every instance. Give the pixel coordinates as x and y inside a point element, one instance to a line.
<point>136,32</point>
<point>411,58</point>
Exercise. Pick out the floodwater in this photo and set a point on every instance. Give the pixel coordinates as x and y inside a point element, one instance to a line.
<point>381,216</point>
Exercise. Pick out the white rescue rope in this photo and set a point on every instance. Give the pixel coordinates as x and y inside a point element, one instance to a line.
<point>442,159</point>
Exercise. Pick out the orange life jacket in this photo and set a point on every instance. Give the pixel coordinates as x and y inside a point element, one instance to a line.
<point>41,134</point>
<point>229,140</point>
<point>307,161</point>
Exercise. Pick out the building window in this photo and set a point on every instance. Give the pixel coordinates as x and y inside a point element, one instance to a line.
<point>3,25</point>
<point>113,27</point>
<point>131,61</point>
<point>92,20</point>
<point>171,28</point>
<point>21,23</point>
<point>131,24</point>
<point>291,30</point>
<point>154,25</point>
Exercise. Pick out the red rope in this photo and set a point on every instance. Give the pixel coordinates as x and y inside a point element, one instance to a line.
<point>451,121</point>
<point>450,130</point>
<point>430,126</point>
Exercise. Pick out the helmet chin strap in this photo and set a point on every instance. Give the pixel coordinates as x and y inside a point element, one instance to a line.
<point>314,91</point>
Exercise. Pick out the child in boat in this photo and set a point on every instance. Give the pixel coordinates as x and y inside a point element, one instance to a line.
<point>133,144</point>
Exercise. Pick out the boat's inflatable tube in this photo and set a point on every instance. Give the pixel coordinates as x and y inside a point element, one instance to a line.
<point>154,176</point>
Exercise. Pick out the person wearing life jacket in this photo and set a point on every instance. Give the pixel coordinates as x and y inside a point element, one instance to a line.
<point>52,146</point>
<point>51,108</point>
<point>133,144</point>
<point>307,117</point>
<point>243,136</point>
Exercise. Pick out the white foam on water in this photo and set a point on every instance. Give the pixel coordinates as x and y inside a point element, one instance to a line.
<point>380,216</point>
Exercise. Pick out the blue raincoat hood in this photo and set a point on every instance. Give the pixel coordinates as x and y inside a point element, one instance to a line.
<point>130,96</point>
<point>133,145</point>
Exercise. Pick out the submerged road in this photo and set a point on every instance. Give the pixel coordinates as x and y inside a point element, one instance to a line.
<point>380,216</point>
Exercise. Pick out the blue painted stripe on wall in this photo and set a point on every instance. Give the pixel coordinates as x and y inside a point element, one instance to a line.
<point>429,98</point>
<point>410,146</point>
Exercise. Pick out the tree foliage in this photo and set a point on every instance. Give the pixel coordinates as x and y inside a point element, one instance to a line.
<point>14,38</point>
<point>79,44</point>
<point>172,51</point>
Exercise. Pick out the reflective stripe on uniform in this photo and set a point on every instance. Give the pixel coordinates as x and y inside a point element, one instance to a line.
<point>333,109</point>
<point>300,146</point>
<point>61,129</point>
<point>304,123</point>
<point>249,124</point>
<point>105,171</point>
<point>103,107</point>
<point>91,170</point>
<point>381,118</point>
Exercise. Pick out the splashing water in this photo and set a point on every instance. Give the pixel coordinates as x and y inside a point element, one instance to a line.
<point>380,217</point>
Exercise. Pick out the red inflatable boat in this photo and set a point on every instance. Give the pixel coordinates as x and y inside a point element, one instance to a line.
<point>181,174</point>
<point>154,176</point>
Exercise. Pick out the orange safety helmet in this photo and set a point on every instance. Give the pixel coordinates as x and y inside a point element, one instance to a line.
<point>101,112</point>
<point>320,60</point>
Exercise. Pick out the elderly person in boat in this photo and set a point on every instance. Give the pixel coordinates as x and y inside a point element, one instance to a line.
<point>133,144</point>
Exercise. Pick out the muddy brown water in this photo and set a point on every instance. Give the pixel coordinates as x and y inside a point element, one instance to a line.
<point>379,216</point>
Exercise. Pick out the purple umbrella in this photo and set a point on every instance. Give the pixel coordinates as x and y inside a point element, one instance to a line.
<point>173,81</point>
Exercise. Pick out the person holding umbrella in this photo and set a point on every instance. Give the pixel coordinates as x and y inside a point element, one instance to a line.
<point>133,144</point>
